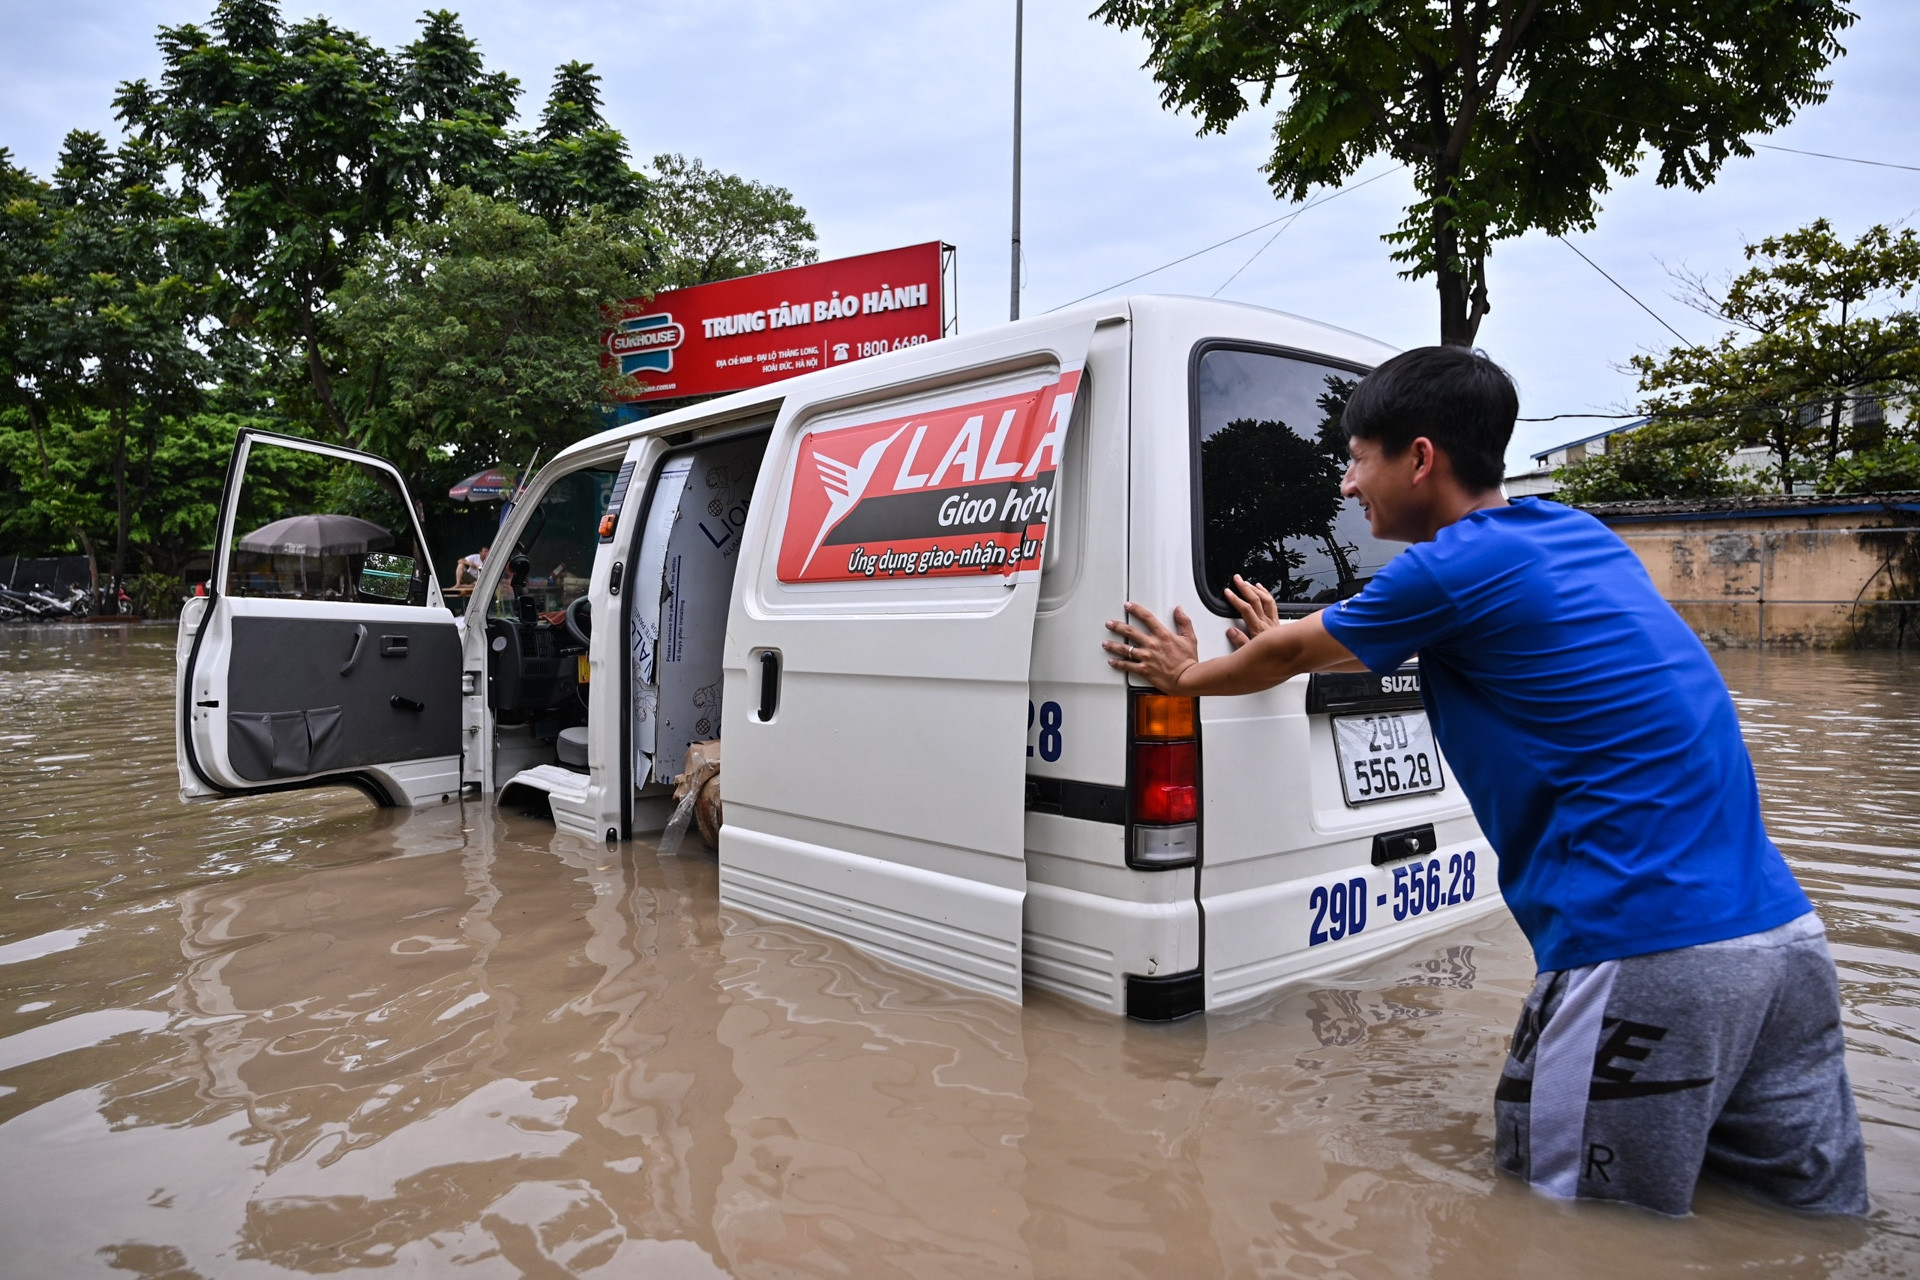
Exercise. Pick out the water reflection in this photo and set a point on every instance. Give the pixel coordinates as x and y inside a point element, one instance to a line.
<point>298,1035</point>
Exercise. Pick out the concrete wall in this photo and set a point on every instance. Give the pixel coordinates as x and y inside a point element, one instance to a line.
<point>1791,579</point>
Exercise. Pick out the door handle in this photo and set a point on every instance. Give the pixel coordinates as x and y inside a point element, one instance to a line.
<point>400,703</point>
<point>393,646</point>
<point>769,684</point>
<point>359,638</point>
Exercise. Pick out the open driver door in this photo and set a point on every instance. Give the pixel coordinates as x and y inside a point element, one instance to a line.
<point>323,651</point>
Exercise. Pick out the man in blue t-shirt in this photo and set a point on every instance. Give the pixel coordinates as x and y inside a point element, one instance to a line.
<point>1686,1016</point>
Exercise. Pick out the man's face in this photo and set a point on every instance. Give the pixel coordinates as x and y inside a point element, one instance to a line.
<point>1385,486</point>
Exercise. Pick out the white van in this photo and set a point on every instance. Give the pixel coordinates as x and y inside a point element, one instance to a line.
<point>884,586</point>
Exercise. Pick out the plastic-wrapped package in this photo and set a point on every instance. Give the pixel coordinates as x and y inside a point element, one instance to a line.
<point>697,797</point>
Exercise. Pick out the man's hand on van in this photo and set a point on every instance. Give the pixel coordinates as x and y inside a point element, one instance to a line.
<point>1169,660</point>
<point>1149,650</point>
<point>1256,607</point>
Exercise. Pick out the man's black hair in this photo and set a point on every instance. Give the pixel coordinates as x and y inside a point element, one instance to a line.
<point>1456,397</point>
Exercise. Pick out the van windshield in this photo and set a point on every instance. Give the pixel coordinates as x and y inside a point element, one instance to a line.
<point>554,556</point>
<point>1271,457</point>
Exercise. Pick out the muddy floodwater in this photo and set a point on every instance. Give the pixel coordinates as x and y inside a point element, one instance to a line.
<point>299,1035</point>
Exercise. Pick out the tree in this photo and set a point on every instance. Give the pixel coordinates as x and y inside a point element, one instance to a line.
<point>1815,356</point>
<point>1687,458</point>
<point>477,336</point>
<point>48,501</point>
<point>574,162</point>
<point>1493,105</point>
<point>310,141</point>
<point>716,226</point>
<point>108,322</point>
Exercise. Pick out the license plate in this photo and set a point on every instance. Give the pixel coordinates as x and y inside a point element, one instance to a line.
<point>1386,754</point>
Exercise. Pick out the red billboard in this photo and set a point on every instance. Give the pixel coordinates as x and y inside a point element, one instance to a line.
<point>752,330</point>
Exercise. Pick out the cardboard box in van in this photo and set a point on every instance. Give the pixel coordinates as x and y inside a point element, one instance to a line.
<point>883,587</point>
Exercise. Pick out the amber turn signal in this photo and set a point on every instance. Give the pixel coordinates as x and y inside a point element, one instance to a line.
<point>1158,717</point>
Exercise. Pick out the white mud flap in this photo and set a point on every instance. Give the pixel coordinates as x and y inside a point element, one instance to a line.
<point>877,660</point>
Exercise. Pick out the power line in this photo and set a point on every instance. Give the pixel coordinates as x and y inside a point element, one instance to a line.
<point>1285,217</point>
<point>1282,227</point>
<point>1882,164</point>
<point>1685,341</point>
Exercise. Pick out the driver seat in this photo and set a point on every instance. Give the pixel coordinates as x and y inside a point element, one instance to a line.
<point>571,747</point>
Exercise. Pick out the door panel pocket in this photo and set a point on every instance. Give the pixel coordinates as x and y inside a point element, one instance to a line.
<point>283,744</point>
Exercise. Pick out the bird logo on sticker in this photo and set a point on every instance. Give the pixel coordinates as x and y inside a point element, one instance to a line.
<point>846,484</point>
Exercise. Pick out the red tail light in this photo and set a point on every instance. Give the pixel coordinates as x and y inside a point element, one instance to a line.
<point>1166,782</point>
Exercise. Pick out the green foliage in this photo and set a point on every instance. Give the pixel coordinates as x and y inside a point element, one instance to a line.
<point>313,141</point>
<point>1662,460</point>
<point>716,226</point>
<point>1512,115</point>
<point>475,336</point>
<point>1892,467</point>
<point>304,232</point>
<point>101,315</point>
<point>68,502</point>
<point>1816,349</point>
<point>155,595</point>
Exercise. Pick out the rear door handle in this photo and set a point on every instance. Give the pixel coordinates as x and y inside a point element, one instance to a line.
<point>769,684</point>
<point>359,638</point>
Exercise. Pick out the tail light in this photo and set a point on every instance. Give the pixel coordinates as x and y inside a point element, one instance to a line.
<point>1164,783</point>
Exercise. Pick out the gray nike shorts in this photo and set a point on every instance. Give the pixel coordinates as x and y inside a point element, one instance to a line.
<point>1628,1079</point>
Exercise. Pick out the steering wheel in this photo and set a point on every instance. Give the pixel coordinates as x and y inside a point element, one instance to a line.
<point>580,619</point>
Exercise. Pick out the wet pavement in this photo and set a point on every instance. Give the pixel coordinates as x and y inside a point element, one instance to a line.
<point>297,1034</point>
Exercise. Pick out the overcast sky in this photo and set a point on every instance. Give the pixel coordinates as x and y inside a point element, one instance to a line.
<point>891,123</point>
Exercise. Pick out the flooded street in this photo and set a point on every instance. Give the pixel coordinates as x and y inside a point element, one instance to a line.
<point>296,1034</point>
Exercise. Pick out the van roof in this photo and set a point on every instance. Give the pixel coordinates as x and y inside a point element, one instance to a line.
<point>1267,324</point>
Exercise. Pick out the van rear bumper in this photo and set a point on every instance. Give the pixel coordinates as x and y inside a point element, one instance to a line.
<point>1263,937</point>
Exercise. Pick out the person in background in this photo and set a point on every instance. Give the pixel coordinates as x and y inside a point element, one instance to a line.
<point>1686,1016</point>
<point>468,570</point>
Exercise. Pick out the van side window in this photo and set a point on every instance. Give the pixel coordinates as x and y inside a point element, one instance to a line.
<point>1271,454</point>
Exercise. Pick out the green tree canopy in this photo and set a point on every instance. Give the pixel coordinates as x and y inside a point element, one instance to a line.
<point>475,336</point>
<point>1818,353</point>
<point>715,226</point>
<point>309,140</point>
<point>103,319</point>
<point>1512,115</point>
<point>1661,460</point>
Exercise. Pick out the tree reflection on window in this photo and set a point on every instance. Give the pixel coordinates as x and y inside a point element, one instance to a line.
<point>1271,458</point>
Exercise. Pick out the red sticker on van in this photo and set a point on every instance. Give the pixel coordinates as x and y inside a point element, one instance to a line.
<point>965,490</point>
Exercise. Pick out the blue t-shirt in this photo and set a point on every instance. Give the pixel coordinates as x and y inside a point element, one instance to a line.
<point>1589,729</point>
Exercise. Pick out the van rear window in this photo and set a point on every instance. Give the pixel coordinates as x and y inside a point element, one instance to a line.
<point>1271,457</point>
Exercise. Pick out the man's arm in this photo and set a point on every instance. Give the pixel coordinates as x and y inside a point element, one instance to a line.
<point>1170,660</point>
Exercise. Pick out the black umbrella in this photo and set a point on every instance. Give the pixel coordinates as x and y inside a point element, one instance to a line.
<point>317,535</point>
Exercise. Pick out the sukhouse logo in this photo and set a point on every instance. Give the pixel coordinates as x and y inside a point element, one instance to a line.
<point>646,342</point>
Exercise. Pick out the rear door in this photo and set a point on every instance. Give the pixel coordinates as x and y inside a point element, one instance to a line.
<point>877,656</point>
<point>324,652</point>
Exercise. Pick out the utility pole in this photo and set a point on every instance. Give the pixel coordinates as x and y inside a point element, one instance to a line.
<point>1019,23</point>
